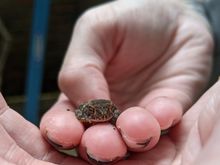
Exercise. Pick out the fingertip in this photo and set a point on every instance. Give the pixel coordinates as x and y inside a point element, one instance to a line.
<point>83,83</point>
<point>139,129</point>
<point>167,111</point>
<point>102,143</point>
<point>60,126</point>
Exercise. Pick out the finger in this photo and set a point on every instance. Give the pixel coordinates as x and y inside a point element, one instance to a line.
<point>18,131</point>
<point>167,111</point>
<point>102,144</point>
<point>24,133</point>
<point>5,162</point>
<point>60,125</point>
<point>183,77</point>
<point>210,151</point>
<point>198,125</point>
<point>210,112</point>
<point>82,74</point>
<point>203,114</point>
<point>139,129</point>
<point>12,153</point>
<point>158,155</point>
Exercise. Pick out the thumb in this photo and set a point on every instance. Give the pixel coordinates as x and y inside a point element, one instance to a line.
<point>81,77</point>
<point>82,74</point>
<point>81,83</point>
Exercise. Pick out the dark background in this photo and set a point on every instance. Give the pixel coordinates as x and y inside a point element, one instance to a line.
<point>17,18</point>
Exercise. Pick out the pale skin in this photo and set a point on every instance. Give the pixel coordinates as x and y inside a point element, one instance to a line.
<point>194,141</point>
<point>152,59</point>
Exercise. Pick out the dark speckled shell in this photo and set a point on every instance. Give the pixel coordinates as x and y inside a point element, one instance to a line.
<point>95,111</point>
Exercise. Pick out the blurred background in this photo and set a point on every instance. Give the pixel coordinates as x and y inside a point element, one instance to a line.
<point>16,24</point>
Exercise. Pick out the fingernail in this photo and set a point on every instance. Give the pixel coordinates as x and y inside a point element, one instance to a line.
<point>132,142</point>
<point>58,146</point>
<point>94,161</point>
<point>164,132</point>
<point>127,155</point>
<point>144,143</point>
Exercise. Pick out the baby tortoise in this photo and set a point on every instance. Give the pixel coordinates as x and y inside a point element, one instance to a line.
<point>96,111</point>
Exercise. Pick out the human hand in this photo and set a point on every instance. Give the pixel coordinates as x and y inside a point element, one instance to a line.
<point>152,58</point>
<point>21,142</point>
<point>194,141</point>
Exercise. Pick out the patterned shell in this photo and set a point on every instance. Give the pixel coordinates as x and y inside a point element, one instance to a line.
<point>96,111</point>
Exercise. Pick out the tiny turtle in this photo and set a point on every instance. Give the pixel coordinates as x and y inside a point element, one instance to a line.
<point>96,111</point>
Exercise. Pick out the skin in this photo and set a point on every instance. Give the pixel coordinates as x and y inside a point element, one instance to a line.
<point>188,143</point>
<point>152,56</point>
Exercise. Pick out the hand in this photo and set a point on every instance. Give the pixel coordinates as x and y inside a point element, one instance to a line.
<point>21,142</point>
<point>152,58</point>
<point>195,141</point>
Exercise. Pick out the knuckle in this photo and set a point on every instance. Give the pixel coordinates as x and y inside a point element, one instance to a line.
<point>88,18</point>
<point>97,18</point>
<point>64,79</point>
<point>68,78</point>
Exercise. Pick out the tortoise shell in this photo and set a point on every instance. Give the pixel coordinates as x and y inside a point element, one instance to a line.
<point>96,111</point>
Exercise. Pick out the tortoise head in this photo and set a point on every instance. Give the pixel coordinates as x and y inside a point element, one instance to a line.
<point>78,113</point>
